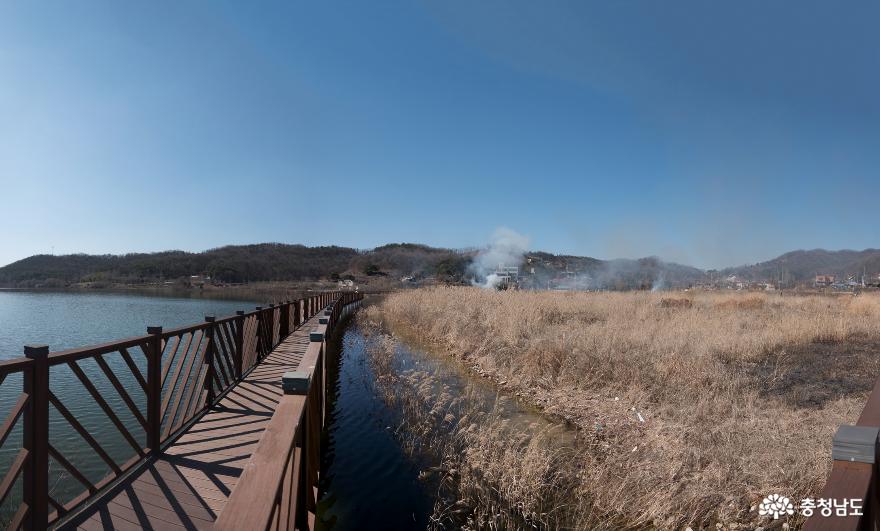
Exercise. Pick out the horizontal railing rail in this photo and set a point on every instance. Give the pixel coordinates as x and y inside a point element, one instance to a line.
<point>150,388</point>
<point>278,487</point>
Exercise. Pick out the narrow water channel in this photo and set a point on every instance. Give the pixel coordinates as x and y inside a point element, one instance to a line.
<point>369,481</point>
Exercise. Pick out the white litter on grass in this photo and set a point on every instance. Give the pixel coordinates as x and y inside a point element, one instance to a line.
<point>641,418</point>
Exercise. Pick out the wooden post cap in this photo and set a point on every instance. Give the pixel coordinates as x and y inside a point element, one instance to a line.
<point>36,351</point>
<point>295,382</point>
<point>855,443</point>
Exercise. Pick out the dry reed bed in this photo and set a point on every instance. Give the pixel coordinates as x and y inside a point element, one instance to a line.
<point>693,406</point>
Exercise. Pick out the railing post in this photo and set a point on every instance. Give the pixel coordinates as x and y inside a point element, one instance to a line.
<point>259,345</point>
<point>209,360</point>
<point>154,390</point>
<point>271,327</point>
<point>284,329</point>
<point>238,353</point>
<point>36,436</point>
<point>296,314</point>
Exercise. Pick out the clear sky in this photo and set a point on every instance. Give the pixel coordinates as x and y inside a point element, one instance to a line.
<point>710,133</point>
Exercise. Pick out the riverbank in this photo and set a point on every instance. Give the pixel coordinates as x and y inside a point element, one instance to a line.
<point>267,292</point>
<point>693,409</point>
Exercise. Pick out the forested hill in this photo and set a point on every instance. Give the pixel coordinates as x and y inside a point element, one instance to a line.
<point>231,264</point>
<point>802,266</point>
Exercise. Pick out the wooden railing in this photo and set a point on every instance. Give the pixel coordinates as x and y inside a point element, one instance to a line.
<point>278,487</point>
<point>174,375</point>
<point>855,477</point>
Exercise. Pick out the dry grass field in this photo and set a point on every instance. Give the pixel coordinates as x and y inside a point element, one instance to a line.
<point>692,406</point>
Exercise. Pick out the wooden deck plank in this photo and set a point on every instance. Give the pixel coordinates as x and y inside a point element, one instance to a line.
<point>241,435</point>
<point>234,430</point>
<point>227,447</point>
<point>207,491</point>
<point>151,490</point>
<point>130,503</point>
<point>106,520</point>
<point>189,486</point>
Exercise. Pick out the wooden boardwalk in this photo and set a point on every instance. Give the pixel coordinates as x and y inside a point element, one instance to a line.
<point>189,486</point>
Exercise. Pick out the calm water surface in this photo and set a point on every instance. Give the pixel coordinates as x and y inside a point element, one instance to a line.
<point>368,481</point>
<point>65,320</point>
<point>74,319</point>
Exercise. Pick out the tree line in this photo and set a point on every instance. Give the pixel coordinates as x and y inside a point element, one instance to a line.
<point>235,264</point>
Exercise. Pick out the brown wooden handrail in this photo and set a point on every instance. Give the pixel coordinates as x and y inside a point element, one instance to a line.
<point>270,460</point>
<point>188,369</point>
<point>850,479</point>
<point>278,487</point>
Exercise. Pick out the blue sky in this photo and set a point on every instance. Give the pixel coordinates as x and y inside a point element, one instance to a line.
<point>703,132</point>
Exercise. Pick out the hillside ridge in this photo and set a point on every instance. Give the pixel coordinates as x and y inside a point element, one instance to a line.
<point>295,262</point>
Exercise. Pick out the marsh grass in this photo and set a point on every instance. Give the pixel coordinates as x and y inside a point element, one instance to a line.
<point>689,413</point>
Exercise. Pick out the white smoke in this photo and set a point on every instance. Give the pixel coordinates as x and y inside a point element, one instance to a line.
<point>506,248</point>
<point>492,281</point>
<point>659,283</point>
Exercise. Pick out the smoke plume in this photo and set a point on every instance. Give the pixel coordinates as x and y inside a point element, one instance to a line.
<point>506,248</point>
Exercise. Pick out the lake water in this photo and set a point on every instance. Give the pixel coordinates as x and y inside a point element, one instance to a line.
<point>65,320</point>
<point>74,319</point>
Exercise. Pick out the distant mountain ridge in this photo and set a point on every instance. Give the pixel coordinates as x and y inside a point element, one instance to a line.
<point>802,265</point>
<point>286,262</point>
